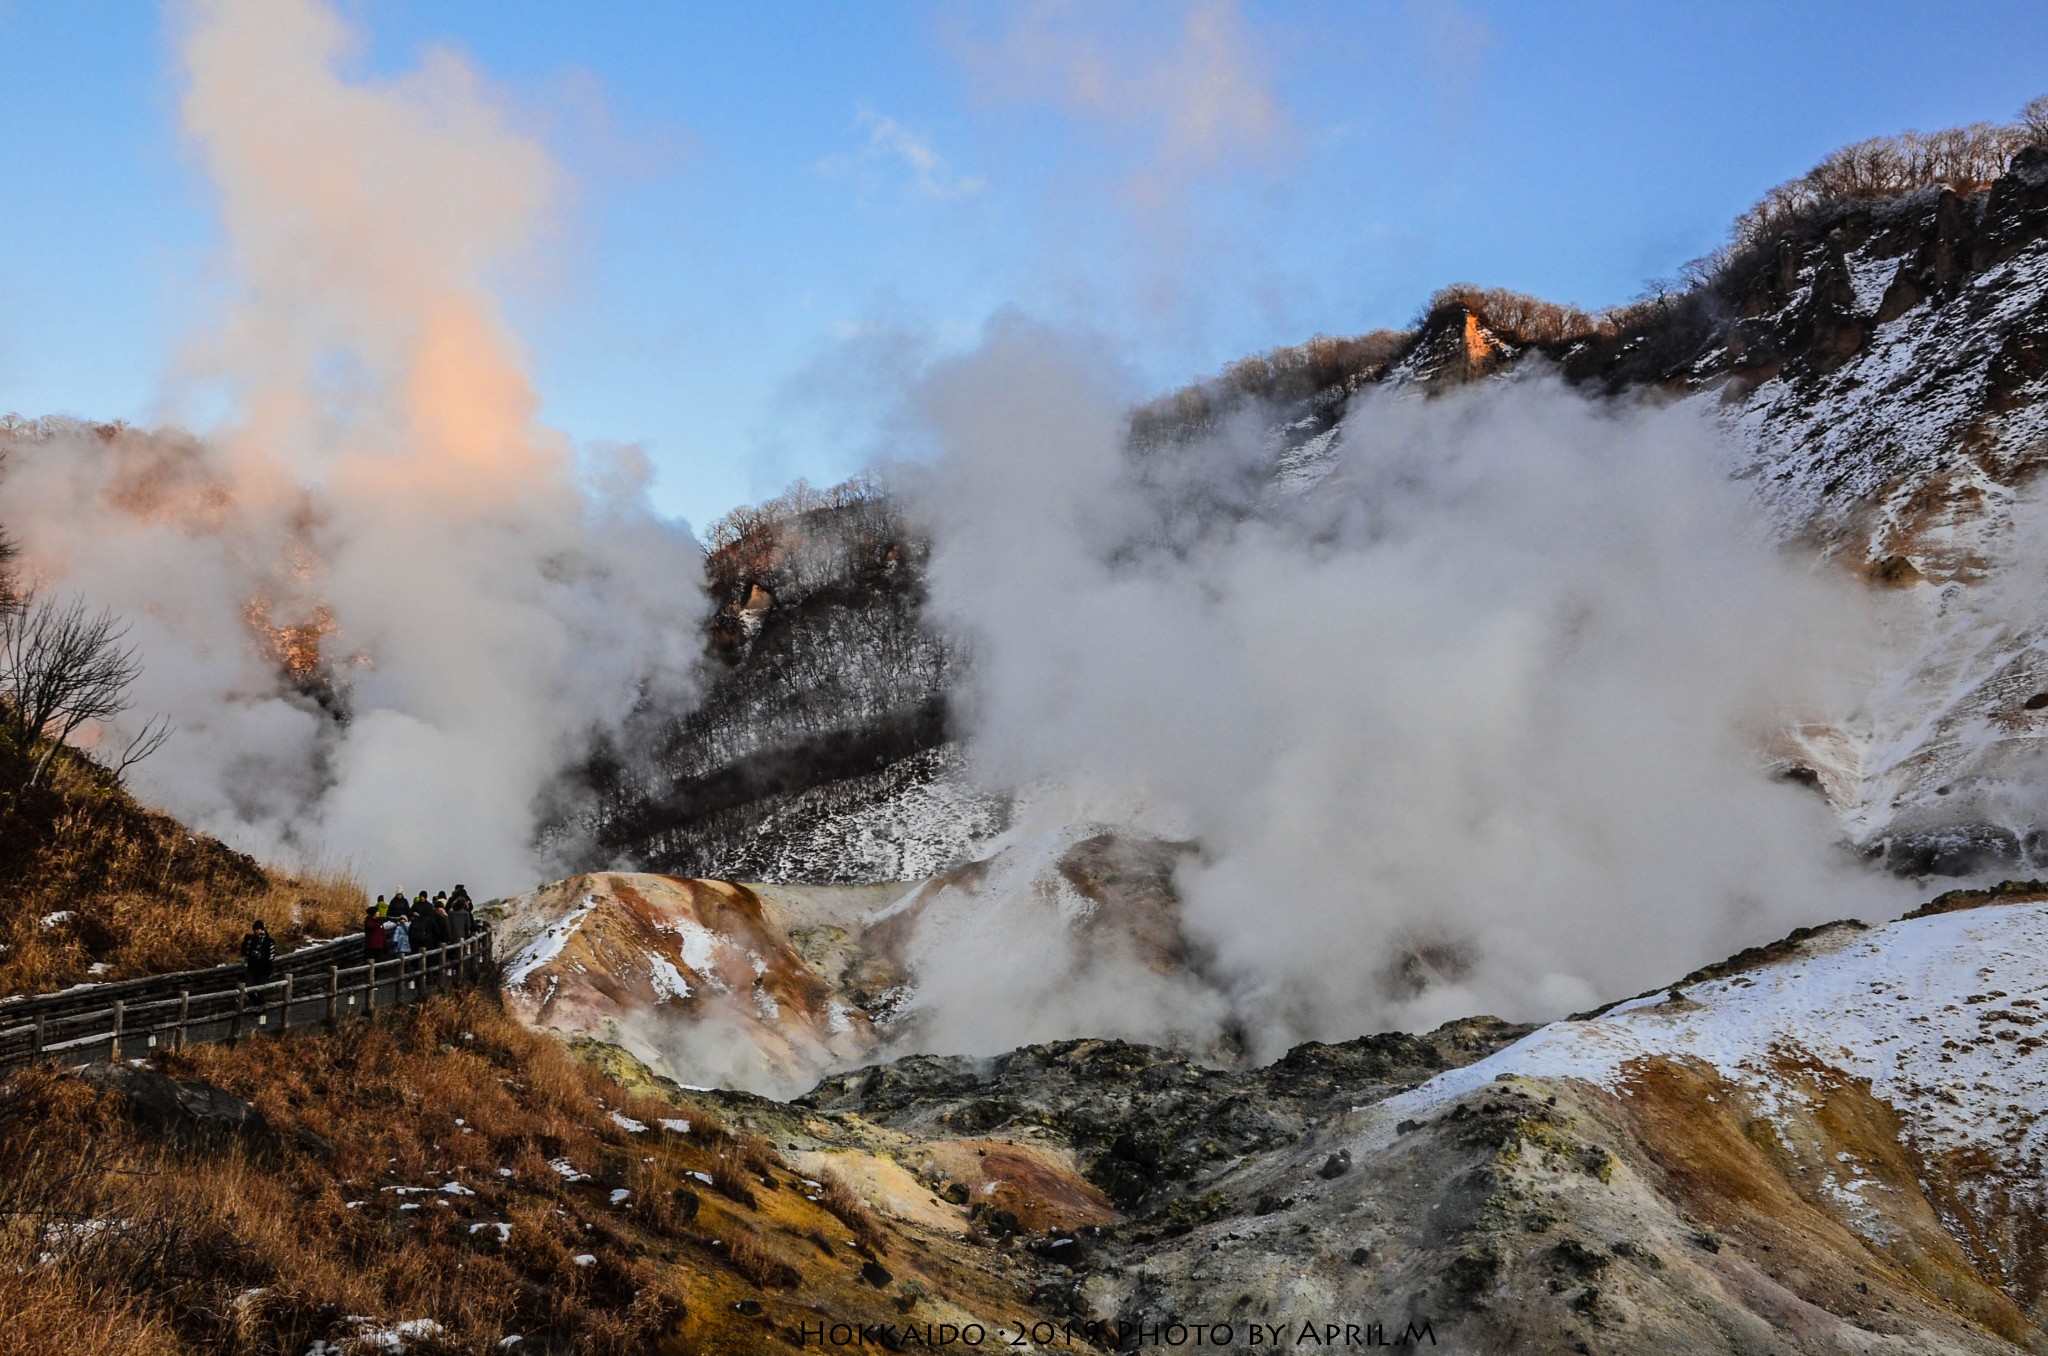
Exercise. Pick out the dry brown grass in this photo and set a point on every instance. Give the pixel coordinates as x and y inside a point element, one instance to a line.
<point>729,1178</point>
<point>452,1091</point>
<point>142,895</point>
<point>751,1258</point>
<point>845,1205</point>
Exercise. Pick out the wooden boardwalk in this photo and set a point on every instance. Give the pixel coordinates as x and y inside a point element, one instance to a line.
<point>316,986</point>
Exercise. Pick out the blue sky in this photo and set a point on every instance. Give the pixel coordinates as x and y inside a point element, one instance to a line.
<point>777,209</point>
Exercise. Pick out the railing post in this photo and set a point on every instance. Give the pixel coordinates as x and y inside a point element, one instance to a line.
<point>184,1015</point>
<point>333,996</point>
<point>241,1007</point>
<point>36,1052</point>
<point>370,1003</point>
<point>284,1020</point>
<point>114,1041</point>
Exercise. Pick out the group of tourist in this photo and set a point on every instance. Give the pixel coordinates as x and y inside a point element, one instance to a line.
<point>405,924</point>
<point>398,926</point>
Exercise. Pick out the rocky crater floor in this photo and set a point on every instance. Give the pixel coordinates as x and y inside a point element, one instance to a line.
<point>1831,1144</point>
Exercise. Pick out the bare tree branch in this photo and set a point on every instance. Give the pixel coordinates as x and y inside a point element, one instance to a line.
<point>61,666</point>
<point>148,740</point>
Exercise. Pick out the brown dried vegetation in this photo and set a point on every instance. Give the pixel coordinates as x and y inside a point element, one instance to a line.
<point>124,886</point>
<point>1286,374</point>
<point>845,1205</point>
<point>426,1166</point>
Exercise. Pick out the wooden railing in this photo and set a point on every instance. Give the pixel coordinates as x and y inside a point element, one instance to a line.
<point>91,997</point>
<point>119,1021</point>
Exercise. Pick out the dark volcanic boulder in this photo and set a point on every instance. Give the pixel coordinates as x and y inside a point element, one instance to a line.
<point>189,1115</point>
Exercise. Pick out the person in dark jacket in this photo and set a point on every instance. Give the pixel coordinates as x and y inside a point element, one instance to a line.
<point>375,943</point>
<point>258,953</point>
<point>461,921</point>
<point>425,930</point>
<point>444,925</point>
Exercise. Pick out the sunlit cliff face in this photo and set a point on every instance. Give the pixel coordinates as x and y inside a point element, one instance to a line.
<point>1481,348</point>
<point>295,647</point>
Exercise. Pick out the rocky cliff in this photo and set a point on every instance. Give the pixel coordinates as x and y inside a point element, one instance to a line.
<point>1879,366</point>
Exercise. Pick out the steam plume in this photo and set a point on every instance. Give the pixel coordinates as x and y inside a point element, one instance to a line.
<point>379,602</point>
<point>1476,725</point>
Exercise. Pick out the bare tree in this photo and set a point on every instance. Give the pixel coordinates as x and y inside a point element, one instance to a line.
<point>10,597</point>
<point>2034,119</point>
<point>10,550</point>
<point>62,666</point>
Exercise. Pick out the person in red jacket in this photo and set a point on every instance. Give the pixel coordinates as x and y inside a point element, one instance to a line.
<point>374,940</point>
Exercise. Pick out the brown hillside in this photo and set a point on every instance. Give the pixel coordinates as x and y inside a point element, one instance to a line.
<point>447,1169</point>
<point>90,877</point>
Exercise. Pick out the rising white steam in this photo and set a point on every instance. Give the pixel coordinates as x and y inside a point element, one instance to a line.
<point>1478,724</point>
<point>380,603</point>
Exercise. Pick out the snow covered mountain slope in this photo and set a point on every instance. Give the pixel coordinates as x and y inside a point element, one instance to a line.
<point>1940,1019</point>
<point>1881,374</point>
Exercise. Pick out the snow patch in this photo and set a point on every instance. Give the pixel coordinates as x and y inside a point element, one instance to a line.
<point>668,981</point>
<point>549,944</point>
<point>1943,1015</point>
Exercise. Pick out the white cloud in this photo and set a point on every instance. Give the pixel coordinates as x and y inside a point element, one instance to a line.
<point>896,154</point>
<point>1195,90</point>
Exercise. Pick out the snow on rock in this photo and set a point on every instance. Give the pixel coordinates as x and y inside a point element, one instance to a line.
<point>1907,426</point>
<point>374,1334</point>
<point>1945,1017</point>
<point>701,980</point>
<point>549,943</point>
<point>912,819</point>
<point>1060,932</point>
<point>1908,462</point>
